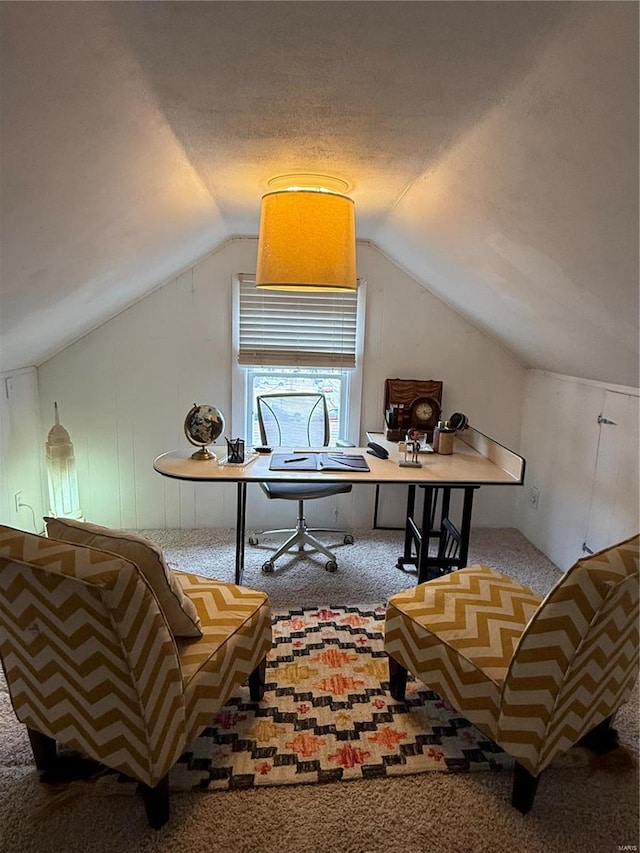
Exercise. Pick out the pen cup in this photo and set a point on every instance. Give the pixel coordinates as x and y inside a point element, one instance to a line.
<point>235,450</point>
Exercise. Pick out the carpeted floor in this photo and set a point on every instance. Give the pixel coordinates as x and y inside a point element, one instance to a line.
<point>366,575</point>
<point>594,810</point>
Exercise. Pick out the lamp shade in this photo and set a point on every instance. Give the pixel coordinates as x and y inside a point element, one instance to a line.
<point>307,241</point>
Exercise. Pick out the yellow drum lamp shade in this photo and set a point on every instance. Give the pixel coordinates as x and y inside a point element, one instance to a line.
<point>307,241</point>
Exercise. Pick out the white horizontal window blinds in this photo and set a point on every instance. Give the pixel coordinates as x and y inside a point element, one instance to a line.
<point>284,328</point>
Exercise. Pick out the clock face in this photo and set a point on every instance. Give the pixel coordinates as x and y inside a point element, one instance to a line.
<point>423,411</point>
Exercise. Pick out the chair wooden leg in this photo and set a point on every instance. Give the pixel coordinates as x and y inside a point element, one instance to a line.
<point>603,738</point>
<point>525,785</point>
<point>397,679</point>
<point>156,802</point>
<point>60,768</point>
<point>257,681</point>
<point>44,750</point>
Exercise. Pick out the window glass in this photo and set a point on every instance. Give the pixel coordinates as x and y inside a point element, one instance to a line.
<point>331,382</point>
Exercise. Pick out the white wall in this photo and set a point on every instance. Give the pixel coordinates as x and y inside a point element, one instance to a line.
<point>412,334</point>
<point>124,390</point>
<point>21,450</point>
<point>561,442</point>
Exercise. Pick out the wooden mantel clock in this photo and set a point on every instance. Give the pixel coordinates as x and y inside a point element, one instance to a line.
<point>424,413</point>
<point>412,403</point>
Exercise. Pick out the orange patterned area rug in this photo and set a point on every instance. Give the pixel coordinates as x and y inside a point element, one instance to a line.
<point>327,716</point>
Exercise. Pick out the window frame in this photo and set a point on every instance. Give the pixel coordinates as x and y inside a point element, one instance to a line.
<point>351,396</point>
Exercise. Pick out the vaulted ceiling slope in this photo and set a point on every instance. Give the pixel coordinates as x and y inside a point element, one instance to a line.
<point>492,151</point>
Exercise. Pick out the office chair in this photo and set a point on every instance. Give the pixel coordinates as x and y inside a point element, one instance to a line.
<point>297,419</point>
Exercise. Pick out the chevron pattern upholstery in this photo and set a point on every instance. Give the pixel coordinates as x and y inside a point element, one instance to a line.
<point>462,630</point>
<point>535,675</point>
<point>236,625</point>
<point>178,609</point>
<point>91,662</point>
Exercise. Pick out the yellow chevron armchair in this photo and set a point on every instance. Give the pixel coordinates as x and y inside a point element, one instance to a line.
<point>534,675</point>
<point>92,664</point>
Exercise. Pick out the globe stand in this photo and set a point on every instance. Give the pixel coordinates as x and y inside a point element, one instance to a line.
<point>203,453</point>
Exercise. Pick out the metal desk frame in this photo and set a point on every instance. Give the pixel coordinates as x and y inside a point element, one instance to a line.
<point>453,540</point>
<point>477,460</point>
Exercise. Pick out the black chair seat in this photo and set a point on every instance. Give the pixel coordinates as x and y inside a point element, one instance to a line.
<point>303,491</point>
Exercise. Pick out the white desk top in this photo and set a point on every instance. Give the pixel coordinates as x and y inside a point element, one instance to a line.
<point>476,460</point>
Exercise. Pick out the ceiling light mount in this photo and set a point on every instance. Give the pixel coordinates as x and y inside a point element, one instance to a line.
<point>310,181</point>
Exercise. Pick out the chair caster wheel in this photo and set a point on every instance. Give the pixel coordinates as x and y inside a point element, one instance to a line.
<point>253,540</point>
<point>268,567</point>
<point>331,566</point>
<point>348,539</point>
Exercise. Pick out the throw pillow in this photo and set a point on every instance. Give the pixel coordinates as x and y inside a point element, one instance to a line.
<point>178,609</point>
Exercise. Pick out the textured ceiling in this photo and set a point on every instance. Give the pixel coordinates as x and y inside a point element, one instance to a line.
<point>492,151</point>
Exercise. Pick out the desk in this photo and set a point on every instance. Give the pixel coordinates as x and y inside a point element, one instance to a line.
<point>474,463</point>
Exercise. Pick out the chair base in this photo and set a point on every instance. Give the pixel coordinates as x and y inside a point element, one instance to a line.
<point>601,739</point>
<point>58,769</point>
<point>64,769</point>
<point>525,784</point>
<point>302,535</point>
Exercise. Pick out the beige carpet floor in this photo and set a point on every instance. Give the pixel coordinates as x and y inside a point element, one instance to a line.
<point>596,811</point>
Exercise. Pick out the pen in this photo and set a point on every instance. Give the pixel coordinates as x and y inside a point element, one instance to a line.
<point>297,459</point>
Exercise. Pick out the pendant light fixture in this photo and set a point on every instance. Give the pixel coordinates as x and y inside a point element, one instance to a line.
<point>307,238</point>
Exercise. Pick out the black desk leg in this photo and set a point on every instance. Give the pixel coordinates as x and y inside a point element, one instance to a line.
<point>465,527</point>
<point>241,518</point>
<point>446,504</point>
<point>411,502</point>
<point>423,553</point>
<point>375,507</point>
<point>407,559</point>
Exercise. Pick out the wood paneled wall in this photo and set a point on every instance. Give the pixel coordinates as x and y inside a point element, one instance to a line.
<point>124,390</point>
<point>585,473</point>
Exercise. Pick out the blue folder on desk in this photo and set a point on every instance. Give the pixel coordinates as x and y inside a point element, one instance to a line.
<point>318,462</point>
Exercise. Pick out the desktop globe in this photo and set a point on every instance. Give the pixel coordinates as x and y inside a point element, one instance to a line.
<point>202,426</point>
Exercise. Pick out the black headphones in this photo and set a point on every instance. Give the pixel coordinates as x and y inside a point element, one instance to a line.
<point>459,421</point>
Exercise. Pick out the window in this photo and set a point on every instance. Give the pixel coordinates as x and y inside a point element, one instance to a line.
<point>265,380</point>
<point>297,342</point>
